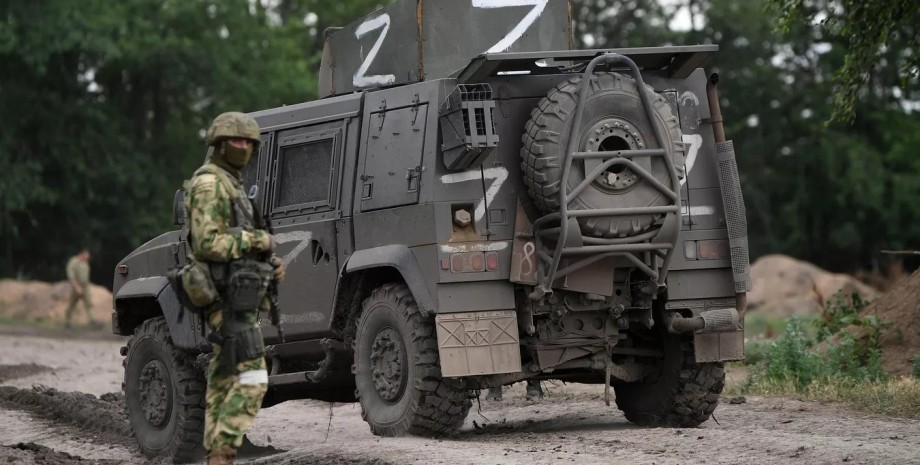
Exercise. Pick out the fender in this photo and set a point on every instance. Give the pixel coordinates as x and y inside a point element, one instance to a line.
<point>184,327</point>
<point>403,260</point>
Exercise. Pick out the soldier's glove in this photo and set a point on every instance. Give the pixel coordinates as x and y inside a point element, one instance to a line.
<point>263,241</point>
<point>278,264</point>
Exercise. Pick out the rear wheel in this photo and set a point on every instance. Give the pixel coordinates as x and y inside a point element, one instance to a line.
<point>164,395</point>
<point>397,374</point>
<point>684,393</point>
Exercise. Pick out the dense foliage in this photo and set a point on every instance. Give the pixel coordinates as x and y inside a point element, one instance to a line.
<point>103,104</point>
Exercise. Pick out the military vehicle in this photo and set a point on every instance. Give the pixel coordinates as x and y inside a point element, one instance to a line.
<point>471,203</point>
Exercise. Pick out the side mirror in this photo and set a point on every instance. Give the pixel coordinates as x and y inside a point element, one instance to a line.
<point>179,208</point>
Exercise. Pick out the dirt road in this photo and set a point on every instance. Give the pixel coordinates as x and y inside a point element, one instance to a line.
<point>570,425</point>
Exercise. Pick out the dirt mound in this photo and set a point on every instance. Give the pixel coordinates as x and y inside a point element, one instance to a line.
<point>37,454</point>
<point>38,300</point>
<point>784,286</point>
<point>898,307</point>
<point>104,416</point>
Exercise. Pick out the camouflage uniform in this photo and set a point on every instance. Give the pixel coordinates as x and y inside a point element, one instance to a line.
<point>234,396</point>
<point>78,270</point>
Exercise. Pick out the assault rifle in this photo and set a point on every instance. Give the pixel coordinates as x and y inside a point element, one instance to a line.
<point>274,312</point>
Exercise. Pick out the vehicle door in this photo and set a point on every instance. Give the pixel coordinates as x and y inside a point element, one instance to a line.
<point>306,165</point>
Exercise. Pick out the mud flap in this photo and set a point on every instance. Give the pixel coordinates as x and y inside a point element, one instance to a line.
<point>719,347</point>
<point>478,343</point>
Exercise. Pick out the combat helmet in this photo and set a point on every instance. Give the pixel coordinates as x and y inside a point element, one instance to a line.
<point>232,124</point>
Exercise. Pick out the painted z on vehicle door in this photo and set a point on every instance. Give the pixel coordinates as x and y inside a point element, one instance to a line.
<point>307,163</point>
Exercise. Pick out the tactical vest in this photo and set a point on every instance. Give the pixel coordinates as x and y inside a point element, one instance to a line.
<point>243,212</point>
<point>206,284</point>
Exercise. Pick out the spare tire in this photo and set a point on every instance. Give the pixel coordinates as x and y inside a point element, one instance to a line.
<point>614,119</point>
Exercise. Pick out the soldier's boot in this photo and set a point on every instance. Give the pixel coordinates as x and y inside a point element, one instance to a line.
<point>224,455</point>
<point>494,393</point>
<point>534,391</point>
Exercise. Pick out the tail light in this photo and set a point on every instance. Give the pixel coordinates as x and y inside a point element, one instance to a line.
<point>472,262</point>
<point>707,250</point>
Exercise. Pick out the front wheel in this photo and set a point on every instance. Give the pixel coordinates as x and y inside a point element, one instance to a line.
<point>683,394</point>
<point>397,373</point>
<point>164,395</point>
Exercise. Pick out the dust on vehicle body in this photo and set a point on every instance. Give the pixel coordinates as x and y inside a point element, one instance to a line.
<point>469,204</point>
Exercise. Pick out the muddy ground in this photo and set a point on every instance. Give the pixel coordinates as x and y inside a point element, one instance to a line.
<point>60,404</point>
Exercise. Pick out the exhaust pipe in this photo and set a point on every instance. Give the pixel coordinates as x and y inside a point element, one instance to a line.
<point>720,320</point>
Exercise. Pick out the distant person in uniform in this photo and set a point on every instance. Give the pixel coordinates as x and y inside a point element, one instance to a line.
<point>534,391</point>
<point>78,276</point>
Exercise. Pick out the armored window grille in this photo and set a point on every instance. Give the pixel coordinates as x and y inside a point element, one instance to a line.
<point>251,174</point>
<point>304,173</point>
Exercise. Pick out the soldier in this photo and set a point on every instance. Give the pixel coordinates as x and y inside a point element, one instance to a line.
<point>78,276</point>
<point>224,235</point>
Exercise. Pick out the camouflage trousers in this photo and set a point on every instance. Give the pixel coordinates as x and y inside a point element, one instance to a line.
<point>75,299</point>
<point>232,400</point>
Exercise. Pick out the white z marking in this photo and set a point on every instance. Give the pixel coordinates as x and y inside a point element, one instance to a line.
<point>294,236</point>
<point>498,174</point>
<point>521,28</point>
<point>361,79</point>
<point>694,141</point>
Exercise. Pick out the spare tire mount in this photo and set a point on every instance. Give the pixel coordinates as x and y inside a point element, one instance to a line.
<point>659,242</point>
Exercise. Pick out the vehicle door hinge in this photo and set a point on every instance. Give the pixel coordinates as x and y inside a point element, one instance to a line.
<point>415,105</point>
<point>382,115</point>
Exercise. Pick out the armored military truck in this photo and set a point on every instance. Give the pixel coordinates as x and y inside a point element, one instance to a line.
<point>471,203</point>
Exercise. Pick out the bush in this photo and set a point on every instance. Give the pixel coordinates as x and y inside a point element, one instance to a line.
<point>789,358</point>
<point>839,363</point>
<point>916,370</point>
<point>755,351</point>
<point>842,313</point>
<point>801,358</point>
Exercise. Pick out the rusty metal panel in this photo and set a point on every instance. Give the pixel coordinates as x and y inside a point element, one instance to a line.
<point>415,40</point>
<point>478,343</point>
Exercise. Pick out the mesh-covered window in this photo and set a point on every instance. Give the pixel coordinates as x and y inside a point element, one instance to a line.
<point>304,173</point>
<point>251,174</point>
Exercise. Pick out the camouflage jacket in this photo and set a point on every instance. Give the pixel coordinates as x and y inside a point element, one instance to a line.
<point>209,210</point>
<point>78,270</point>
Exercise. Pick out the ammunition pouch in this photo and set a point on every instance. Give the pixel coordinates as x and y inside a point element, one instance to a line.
<point>238,342</point>
<point>198,284</point>
<point>247,284</point>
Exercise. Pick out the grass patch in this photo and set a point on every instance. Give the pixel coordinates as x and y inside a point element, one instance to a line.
<point>762,326</point>
<point>836,358</point>
<point>896,397</point>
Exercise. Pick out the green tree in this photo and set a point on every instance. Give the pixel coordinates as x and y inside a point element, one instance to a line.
<point>833,193</point>
<point>872,30</point>
<point>103,106</point>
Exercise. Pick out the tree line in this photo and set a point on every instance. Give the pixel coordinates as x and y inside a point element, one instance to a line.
<point>103,107</point>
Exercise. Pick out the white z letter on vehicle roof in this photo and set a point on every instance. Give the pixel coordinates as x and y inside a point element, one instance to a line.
<point>521,28</point>
<point>361,78</point>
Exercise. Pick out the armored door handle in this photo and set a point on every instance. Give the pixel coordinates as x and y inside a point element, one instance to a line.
<point>412,177</point>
